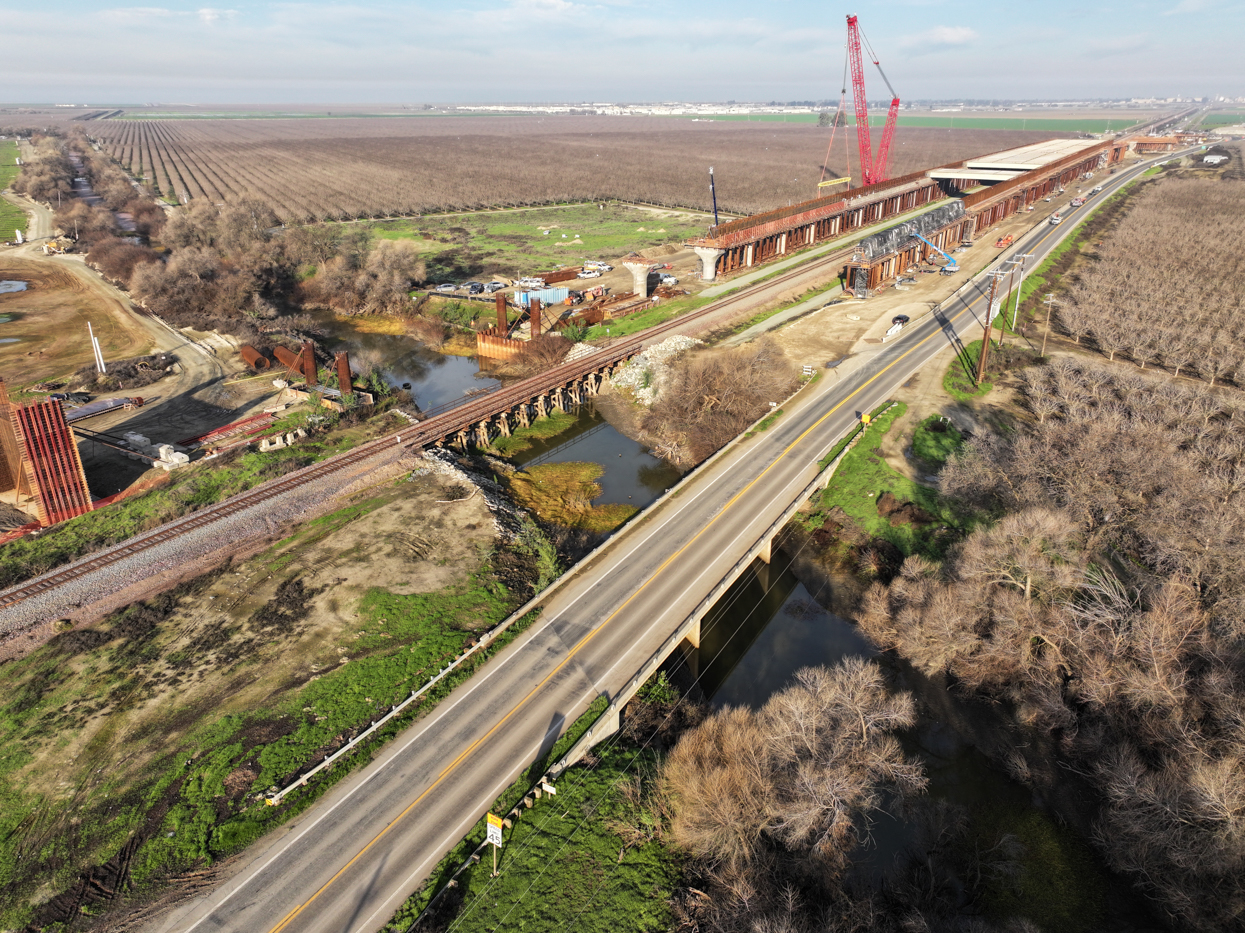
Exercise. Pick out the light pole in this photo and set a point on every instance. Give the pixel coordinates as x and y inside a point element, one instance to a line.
<point>1020,287</point>
<point>1049,302</point>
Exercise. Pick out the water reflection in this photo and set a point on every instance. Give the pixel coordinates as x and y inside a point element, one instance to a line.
<point>632,476</point>
<point>11,286</point>
<point>434,378</point>
<point>765,628</point>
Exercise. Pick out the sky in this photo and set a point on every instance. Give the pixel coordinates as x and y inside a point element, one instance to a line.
<point>471,51</point>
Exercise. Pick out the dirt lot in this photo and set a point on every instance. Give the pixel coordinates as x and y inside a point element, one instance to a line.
<point>217,655</point>
<point>49,321</point>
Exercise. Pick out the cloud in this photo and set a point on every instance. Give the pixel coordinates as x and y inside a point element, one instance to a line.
<point>1186,6</point>
<point>209,15</point>
<point>940,37</point>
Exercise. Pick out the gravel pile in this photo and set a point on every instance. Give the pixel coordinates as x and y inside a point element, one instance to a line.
<point>579,351</point>
<point>225,535</point>
<point>645,373</point>
<point>507,517</point>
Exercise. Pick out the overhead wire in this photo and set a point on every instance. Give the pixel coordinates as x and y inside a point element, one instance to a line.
<point>611,742</point>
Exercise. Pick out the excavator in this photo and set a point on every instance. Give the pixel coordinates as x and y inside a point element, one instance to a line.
<point>951,268</point>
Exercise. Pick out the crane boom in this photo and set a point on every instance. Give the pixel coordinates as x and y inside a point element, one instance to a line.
<point>951,266</point>
<point>863,143</point>
<point>872,170</point>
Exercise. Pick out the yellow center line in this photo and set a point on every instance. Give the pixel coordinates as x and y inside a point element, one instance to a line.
<point>293,914</point>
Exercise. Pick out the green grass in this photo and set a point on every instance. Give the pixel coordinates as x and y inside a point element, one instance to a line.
<point>514,243</point>
<point>394,644</point>
<point>541,429</point>
<point>564,865</point>
<point>765,424</point>
<point>11,218</point>
<point>1222,119</point>
<point>642,320</point>
<point>958,379</point>
<point>862,477</point>
<point>188,490</point>
<point>562,493</point>
<point>508,799</point>
<point>932,446</point>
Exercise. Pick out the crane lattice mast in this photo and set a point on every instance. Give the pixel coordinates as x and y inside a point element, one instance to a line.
<point>872,170</point>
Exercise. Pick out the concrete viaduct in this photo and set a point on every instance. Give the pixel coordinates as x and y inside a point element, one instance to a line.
<point>992,188</point>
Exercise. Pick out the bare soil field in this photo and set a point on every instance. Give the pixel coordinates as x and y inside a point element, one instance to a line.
<point>359,167</point>
<point>49,322</point>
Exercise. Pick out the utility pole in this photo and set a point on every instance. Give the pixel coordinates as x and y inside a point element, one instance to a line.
<point>1050,302</point>
<point>1020,287</point>
<point>714,194</point>
<point>985,338</point>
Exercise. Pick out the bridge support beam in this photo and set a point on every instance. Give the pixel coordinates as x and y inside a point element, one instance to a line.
<point>766,551</point>
<point>749,251</point>
<point>482,438</point>
<point>709,261</point>
<point>503,424</point>
<point>639,277</point>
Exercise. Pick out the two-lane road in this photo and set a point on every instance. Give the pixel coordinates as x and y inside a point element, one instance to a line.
<point>349,862</point>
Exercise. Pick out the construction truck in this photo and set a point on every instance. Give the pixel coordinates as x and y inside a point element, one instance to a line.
<point>58,246</point>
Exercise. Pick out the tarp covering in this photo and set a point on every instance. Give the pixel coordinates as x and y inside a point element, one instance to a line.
<point>895,238</point>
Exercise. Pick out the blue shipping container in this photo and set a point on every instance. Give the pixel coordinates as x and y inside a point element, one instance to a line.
<point>547,296</point>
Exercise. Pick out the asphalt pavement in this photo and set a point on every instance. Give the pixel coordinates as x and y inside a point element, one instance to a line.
<point>348,863</point>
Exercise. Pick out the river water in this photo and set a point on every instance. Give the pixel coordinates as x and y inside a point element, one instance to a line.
<point>632,475</point>
<point>432,378</point>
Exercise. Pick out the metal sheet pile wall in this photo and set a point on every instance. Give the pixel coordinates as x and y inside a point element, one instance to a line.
<point>51,462</point>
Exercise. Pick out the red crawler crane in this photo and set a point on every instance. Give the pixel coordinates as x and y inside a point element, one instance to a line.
<point>872,170</point>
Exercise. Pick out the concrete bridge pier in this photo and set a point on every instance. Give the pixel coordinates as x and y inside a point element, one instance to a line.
<point>639,277</point>
<point>709,261</point>
<point>765,551</point>
<point>749,251</point>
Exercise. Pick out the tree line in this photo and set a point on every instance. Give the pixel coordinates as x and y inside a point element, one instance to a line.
<point>1103,605</point>
<point>321,170</point>
<point>1166,286</point>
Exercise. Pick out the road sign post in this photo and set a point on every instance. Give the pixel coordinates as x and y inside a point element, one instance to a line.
<point>494,837</point>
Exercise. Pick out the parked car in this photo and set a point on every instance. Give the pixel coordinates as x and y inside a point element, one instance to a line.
<point>669,280</point>
<point>900,319</point>
<point>58,397</point>
<point>79,398</point>
<point>493,287</point>
<point>590,274</point>
<point>445,287</point>
<point>475,288</point>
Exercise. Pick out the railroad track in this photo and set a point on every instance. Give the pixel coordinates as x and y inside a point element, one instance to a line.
<point>426,432</point>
